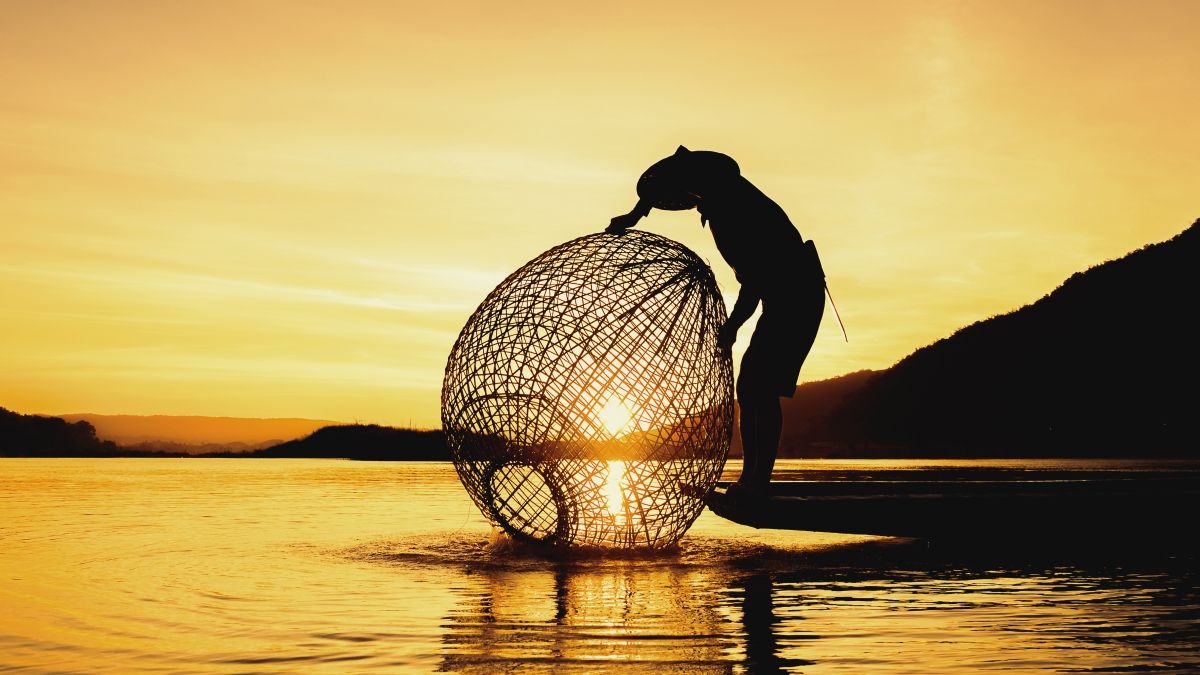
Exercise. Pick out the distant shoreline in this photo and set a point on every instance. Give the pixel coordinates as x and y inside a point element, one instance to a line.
<point>34,436</point>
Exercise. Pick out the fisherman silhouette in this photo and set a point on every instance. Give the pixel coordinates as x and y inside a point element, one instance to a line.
<point>773,265</point>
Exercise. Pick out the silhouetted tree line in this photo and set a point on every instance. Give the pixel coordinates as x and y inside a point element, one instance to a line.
<point>40,436</point>
<point>363,441</point>
<point>1106,364</point>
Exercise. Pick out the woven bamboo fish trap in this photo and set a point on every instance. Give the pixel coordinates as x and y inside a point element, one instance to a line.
<point>586,402</point>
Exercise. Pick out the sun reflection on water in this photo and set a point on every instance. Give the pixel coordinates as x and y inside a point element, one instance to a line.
<point>614,495</point>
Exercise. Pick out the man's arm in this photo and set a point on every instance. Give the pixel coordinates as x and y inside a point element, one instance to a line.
<point>743,309</point>
<point>627,220</point>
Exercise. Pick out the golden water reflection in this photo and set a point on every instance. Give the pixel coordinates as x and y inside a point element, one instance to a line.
<point>564,618</point>
<point>294,565</point>
<point>639,616</point>
<point>668,619</point>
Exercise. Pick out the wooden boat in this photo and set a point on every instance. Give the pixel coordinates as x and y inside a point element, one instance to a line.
<point>981,504</point>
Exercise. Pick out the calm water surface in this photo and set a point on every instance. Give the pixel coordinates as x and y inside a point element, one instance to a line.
<point>195,565</point>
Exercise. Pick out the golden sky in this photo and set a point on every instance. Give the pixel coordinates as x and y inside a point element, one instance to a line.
<point>290,208</point>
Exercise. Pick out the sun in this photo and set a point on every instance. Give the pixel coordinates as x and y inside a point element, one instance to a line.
<point>615,416</point>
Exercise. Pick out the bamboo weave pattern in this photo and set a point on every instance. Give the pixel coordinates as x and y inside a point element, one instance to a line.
<point>586,401</point>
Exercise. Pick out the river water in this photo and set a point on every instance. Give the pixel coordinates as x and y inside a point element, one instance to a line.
<point>246,565</point>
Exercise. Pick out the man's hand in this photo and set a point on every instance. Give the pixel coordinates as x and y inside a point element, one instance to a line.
<point>622,222</point>
<point>726,337</point>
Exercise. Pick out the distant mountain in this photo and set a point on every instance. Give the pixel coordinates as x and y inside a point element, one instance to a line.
<point>805,412</point>
<point>197,434</point>
<point>40,436</point>
<point>813,403</point>
<point>363,441</point>
<point>1106,364</point>
<point>43,436</point>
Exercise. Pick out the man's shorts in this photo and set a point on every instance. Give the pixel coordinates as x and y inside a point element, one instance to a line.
<point>782,339</point>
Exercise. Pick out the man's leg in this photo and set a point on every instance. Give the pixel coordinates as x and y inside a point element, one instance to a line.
<point>781,342</point>
<point>767,421</point>
<point>748,421</point>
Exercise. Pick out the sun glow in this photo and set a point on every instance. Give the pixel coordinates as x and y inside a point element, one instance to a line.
<point>615,417</point>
